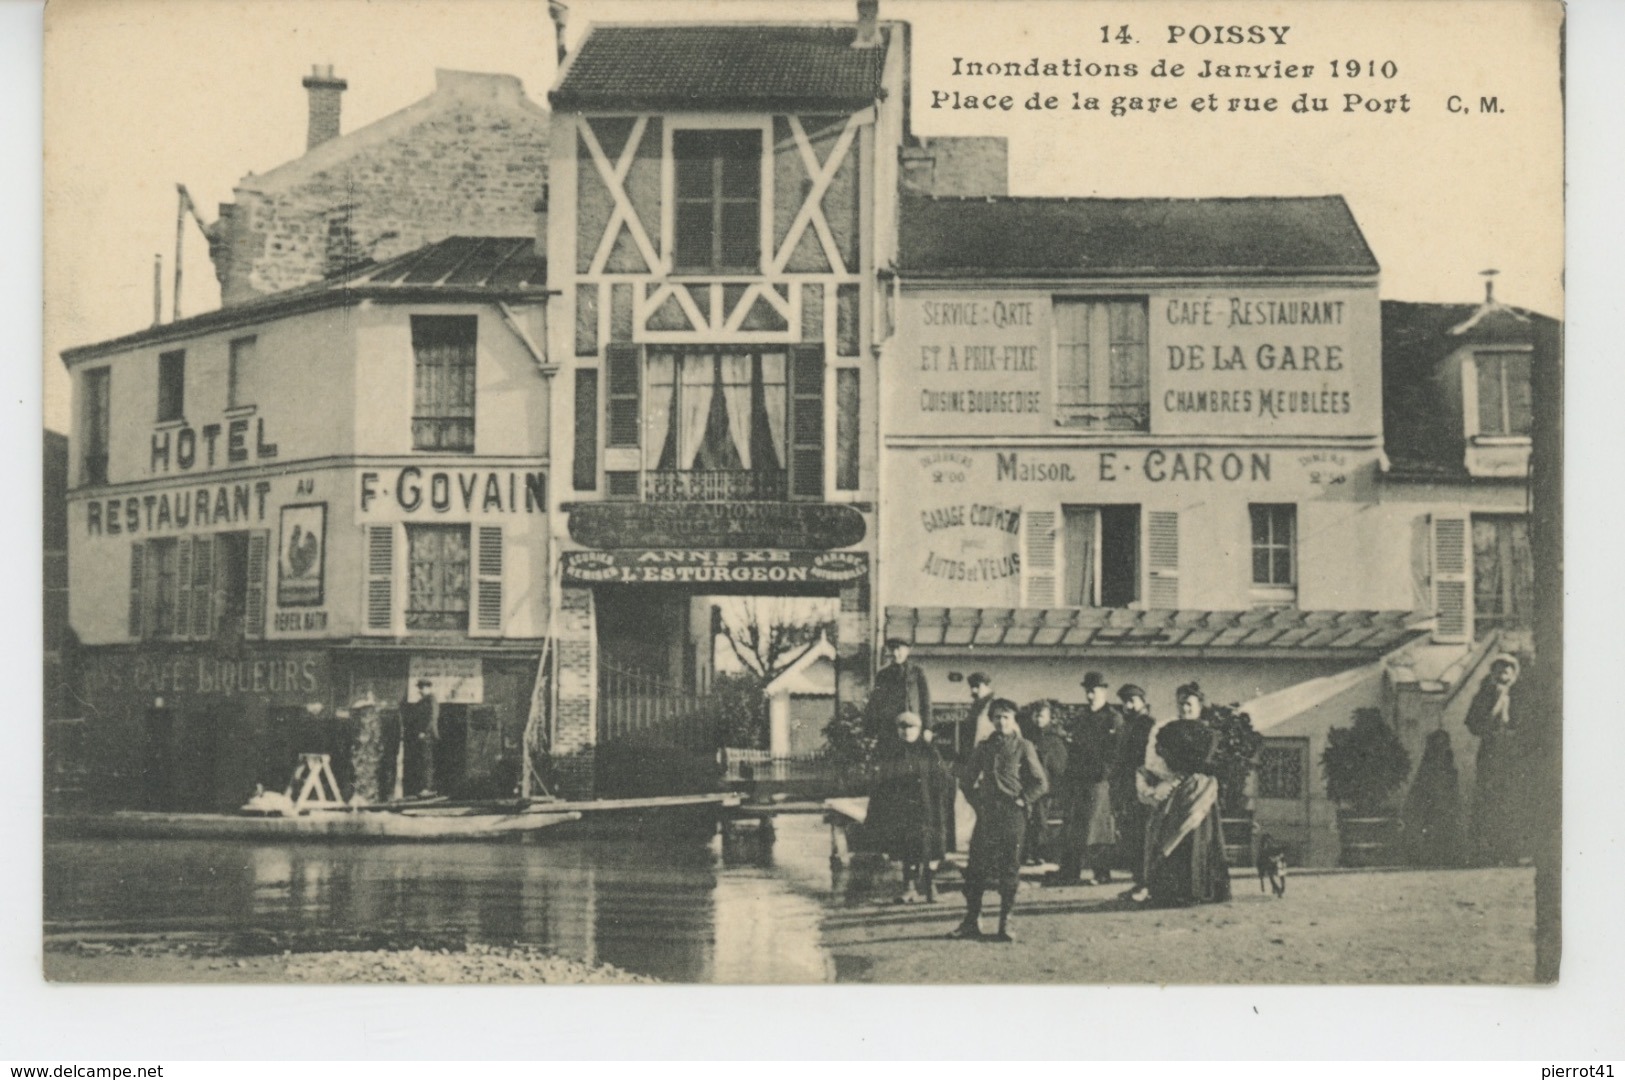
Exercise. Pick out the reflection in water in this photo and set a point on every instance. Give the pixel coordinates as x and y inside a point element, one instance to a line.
<point>672,908</point>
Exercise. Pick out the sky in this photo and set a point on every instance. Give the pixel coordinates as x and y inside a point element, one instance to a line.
<point>143,94</point>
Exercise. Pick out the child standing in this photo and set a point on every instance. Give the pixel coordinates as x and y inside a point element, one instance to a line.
<point>909,809</point>
<point>1003,780</point>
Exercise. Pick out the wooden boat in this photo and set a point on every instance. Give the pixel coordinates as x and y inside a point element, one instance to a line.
<point>425,823</point>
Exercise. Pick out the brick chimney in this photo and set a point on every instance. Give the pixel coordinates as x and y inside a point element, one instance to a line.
<point>559,14</point>
<point>540,209</point>
<point>868,25</point>
<point>326,90</point>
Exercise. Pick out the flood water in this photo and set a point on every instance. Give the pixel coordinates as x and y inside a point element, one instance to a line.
<point>662,905</point>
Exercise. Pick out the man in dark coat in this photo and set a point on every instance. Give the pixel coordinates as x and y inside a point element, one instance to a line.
<point>957,739</point>
<point>1089,837</point>
<point>900,687</point>
<point>1129,755</point>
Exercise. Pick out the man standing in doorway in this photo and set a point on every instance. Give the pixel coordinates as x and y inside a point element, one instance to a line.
<point>900,687</point>
<point>1089,837</point>
<point>964,735</point>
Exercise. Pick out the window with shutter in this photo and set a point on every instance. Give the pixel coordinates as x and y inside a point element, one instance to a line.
<point>1452,591</point>
<point>259,550</point>
<point>138,553</point>
<point>203,587</point>
<point>488,574</point>
<point>380,597</point>
<point>183,588</point>
<point>1038,561</point>
<point>807,422</point>
<point>1162,558</point>
<point>584,470</point>
<point>623,379</point>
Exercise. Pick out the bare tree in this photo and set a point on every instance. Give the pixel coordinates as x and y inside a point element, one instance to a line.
<point>768,633</point>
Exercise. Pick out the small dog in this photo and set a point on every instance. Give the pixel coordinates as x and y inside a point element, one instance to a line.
<point>1271,865</point>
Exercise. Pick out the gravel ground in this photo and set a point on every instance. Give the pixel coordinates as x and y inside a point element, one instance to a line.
<point>1418,927</point>
<point>193,959</point>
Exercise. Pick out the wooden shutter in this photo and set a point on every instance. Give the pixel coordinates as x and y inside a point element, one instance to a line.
<point>1452,584</point>
<point>1038,561</point>
<point>259,550</point>
<point>379,601</point>
<point>203,587</point>
<point>807,422</point>
<point>584,470</point>
<point>183,587</point>
<point>847,427</point>
<point>1162,558</point>
<point>623,382</point>
<point>487,581</point>
<point>138,593</point>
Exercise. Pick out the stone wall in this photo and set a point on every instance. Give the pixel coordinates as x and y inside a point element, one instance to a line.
<point>470,159</point>
<point>575,730</point>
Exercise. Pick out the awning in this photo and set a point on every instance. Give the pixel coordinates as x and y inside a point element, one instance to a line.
<point>1126,632</point>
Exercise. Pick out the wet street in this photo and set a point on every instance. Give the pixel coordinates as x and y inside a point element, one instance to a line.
<point>669,906</point>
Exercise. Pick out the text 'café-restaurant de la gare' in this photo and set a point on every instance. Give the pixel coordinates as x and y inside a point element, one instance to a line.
<point>764,339</point>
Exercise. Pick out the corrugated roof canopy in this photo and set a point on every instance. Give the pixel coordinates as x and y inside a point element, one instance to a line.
<point>1028,237</point>
<point>736,68</point>
<point>1280,632</point>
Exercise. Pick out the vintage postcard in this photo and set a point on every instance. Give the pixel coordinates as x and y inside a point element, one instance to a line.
<point>1051,491</point>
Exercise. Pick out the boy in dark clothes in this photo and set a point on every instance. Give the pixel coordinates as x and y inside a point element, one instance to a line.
<point>1051,746</point>
<point>1004,779</point>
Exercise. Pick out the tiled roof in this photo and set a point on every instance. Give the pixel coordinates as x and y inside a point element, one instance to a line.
<point>720,67</point>
<point>1031,237</point>
<point>456,268</point>
<point>1283,632</point>
<point>1423,427</point>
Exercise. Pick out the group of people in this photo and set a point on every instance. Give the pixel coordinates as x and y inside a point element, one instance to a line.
<point>1130,792</point>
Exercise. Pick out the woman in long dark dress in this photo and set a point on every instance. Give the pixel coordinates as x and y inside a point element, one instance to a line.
<point>909,808</point>
<point>1184,841</point>
<point>1497,828</point>
<point>1432,835</point>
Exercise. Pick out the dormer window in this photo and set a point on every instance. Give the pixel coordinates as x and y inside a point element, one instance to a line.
<point>718,201</point>
<point>1503,393</point>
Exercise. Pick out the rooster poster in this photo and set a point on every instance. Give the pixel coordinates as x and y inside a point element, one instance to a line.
<point>301,552</point>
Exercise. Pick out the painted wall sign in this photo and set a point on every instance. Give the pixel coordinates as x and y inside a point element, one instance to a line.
<point>301,555</point>
<point>791,526</point>
<point>427,491</point>
<point>211,446</point>
<point>299,622</point>
<point>453,680</point>
<point>689,566</point>
<point>1228,361</point>
<point>180,510</point>
<point>290,676</point>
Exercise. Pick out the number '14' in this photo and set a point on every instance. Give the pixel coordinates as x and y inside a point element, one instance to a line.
<point>1121,36</point>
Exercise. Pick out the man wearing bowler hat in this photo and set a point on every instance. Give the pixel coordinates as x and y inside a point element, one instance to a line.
<point>1089,837</point>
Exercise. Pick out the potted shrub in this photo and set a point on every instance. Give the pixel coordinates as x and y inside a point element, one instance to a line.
<point>1365,766</point>
<point>1235,756</point>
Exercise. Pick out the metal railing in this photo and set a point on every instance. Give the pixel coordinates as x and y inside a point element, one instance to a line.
<point>1106,416</point>
<point>714,485</point>
<point>743,765</point>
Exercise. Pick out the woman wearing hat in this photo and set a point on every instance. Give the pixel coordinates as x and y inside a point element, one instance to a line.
<point>1156,780</point>
<point>1496,716</point>
<point>1184,840</point>
<point>1132,743</point>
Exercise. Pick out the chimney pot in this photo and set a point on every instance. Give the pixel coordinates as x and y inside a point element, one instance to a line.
<point>868,25</point>
<point>560,14</point>
<point>326,92</point>
<point>1489,285</point>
